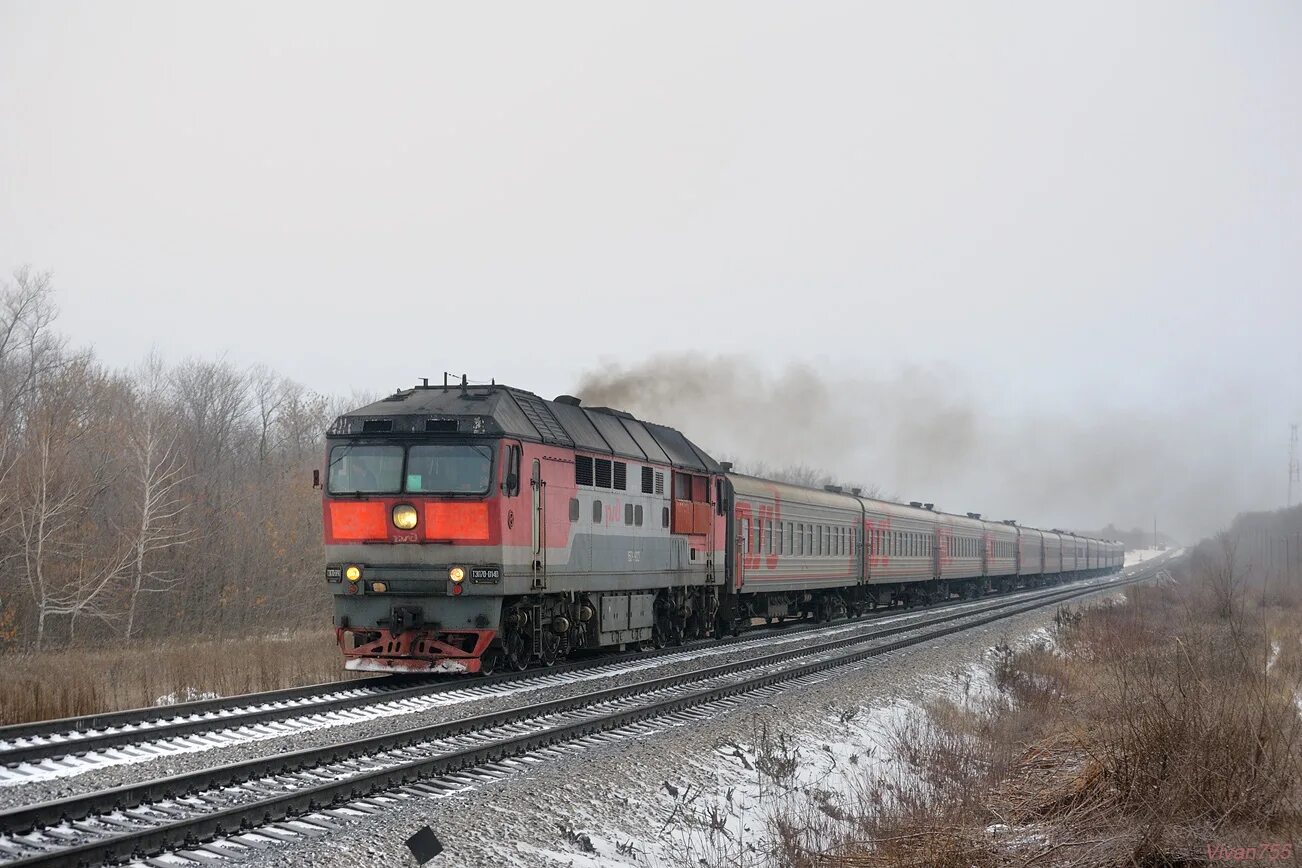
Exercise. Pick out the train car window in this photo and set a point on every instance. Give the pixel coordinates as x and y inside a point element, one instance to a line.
<point>768,534</point>
<point>682,486</point>
<point>664,517</point>
<point>718,497</point>
<point>637,515</point>
<point>574,509</point>
<point>800,539</point>
<point>628,514</point>
<point>648,480</point>
<point>603,472</point>
<point>745,536</point>
<point>582,470</point>
<point>596,512</point>
<point>621,476</point>
<point>700,489</point>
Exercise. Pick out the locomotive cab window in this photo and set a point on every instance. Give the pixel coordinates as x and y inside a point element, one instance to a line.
<point>430,468</point>
<point>364,468</point>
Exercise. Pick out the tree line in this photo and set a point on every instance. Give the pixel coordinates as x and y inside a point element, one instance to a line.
<point>163,501</point>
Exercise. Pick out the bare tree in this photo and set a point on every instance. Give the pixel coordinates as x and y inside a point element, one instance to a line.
<point>29,349</point>
<point>212,402</point>
<point>158,472</point>
<point>269,395</point>
<point>59,476</point>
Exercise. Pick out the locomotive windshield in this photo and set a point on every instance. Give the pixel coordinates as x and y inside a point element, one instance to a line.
<point>427,468</point>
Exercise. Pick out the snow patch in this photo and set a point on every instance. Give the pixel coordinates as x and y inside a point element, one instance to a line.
<point>1138,556</point>
<point>185,694</point>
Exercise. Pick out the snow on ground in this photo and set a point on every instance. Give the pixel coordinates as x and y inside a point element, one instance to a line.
<point>1138,556</point>
<point>185,694</point>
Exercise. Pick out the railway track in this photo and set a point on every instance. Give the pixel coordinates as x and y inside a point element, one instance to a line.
<point>142,734</point>
<point>292,795</point>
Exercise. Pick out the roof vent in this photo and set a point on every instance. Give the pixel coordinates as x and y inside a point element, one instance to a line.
<point>916,504</point>
<point>567,399</point>
<point>1010,521</point>
<point>929,506</point>
<point>835,489</point>
<point>856,491</point>
<point>976,515</point>
<point>726,466</point>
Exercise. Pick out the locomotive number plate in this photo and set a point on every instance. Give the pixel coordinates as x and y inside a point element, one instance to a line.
<point>485,574</point>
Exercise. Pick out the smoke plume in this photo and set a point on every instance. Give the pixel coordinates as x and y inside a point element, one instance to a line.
<point>931,434</point>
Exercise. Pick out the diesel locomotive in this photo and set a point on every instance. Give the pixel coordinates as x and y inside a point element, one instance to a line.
<point>470,528</point>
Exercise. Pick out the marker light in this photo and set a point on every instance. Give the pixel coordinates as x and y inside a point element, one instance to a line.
<point>379,587</point>
<point>456,574</point>
<point>405,516</point>
<point>352,574</point>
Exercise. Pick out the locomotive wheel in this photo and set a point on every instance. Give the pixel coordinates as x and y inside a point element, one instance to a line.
<point>516,649</point>
<point>551,649</point>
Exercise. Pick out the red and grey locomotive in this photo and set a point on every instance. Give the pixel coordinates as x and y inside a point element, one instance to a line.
<point>475,527</point>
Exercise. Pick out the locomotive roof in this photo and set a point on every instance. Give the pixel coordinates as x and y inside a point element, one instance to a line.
<point>508,412</point>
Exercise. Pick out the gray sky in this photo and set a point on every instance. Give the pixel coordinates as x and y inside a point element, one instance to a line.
<point>1052,208</point>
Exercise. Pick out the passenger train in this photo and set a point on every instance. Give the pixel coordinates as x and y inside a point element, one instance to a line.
<point>470,528</point>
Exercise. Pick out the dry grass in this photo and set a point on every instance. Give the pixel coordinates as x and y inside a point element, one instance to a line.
<point>1148,730</point>
<point>87,681</point>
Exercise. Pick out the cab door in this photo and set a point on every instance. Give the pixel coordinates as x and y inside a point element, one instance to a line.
<point>537,513</point>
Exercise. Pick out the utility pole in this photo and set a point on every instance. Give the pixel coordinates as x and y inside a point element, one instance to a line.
<point>1292,464</point>
<point>1154,531</point>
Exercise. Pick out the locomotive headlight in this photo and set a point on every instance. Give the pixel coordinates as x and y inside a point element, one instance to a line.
<point>404,516</point>
<point>352,574</point>
<point>457,574</point>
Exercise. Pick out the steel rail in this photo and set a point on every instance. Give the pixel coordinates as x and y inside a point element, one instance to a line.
<point>76,736</point>
<point>17,821</point>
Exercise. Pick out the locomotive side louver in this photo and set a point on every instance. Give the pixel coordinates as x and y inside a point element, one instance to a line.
<point>582,470</point>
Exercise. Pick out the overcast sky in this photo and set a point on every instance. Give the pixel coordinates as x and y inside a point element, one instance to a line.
<point>1049,205</point>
